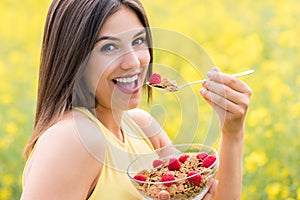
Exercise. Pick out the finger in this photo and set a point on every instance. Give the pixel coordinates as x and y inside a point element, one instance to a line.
<point>217,100</point>
<point>220,111</point>
<point>224,107</point>
<point>163,195</point>
<point>242,99</point>
<point>212,191</point>
<point>228,80</point>
<point>223,90</point>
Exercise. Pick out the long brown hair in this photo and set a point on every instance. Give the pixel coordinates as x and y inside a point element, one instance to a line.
<point>71,30</point>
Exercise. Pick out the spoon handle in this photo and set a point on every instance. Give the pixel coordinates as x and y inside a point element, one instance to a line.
<point>250,71</point>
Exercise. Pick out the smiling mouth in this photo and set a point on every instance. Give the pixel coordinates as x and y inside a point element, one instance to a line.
<point>127,84</point>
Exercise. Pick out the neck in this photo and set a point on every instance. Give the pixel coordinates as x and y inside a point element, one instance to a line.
<point>111,119</point>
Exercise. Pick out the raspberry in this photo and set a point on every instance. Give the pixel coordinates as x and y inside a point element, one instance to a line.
<point>208,161</point>
<point>140,177</point>
<point>195,179</point>
<point>157,163</point>
<point>167,178</point>
<point>183,158</point>
<point>201,155</point>
<point>173,164</point>
<point>155,79</point>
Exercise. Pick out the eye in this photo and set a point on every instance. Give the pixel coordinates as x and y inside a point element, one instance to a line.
<point>108,48</point>
<point>139,41</point>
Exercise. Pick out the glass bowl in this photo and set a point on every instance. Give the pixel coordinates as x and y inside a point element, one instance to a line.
<point>184,170</point>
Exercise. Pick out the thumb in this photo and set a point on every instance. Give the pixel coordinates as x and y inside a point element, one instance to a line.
<point>163,195</point>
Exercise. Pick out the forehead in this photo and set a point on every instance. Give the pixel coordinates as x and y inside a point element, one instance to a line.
<point>122,21</point>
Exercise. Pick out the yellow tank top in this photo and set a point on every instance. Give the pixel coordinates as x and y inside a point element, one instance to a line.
<point>113,182</point>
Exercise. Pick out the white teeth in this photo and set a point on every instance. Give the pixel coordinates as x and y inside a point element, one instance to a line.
<point>127,80</point>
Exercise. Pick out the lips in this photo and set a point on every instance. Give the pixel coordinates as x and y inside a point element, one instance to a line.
<point>128,84</point>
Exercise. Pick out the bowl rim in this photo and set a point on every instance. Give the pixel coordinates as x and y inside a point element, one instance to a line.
<point>179,179</point>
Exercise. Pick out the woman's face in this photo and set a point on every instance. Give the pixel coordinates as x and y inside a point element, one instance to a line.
<point>119,61</point>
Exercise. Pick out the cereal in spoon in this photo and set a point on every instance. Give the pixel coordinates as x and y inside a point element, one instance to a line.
<point>164,83</point>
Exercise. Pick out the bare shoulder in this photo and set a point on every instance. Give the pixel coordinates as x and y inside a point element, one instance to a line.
<point>141,117</point>
<point>61,155</point>
<point>75,131</point>
<point>150,126</point>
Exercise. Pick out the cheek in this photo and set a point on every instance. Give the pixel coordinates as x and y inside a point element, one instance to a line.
<point>95,70</point>
<point>145,57</point>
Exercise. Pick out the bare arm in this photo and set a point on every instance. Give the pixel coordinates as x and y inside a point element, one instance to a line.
<point>230,98</point>
<point>56,167</point>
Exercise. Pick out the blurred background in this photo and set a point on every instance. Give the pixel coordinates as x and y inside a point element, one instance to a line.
<point>237,35</point>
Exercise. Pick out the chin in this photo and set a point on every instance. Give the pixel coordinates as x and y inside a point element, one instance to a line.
<point>127,104</point>
<point>133,103</point>
<point>132,106</point>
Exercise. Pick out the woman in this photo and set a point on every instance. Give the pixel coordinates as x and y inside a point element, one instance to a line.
<point>95,57</point>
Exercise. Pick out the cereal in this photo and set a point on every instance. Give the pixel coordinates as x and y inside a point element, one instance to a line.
<point>165,83</point>
<point>169,84</point>
<point>182,187</point>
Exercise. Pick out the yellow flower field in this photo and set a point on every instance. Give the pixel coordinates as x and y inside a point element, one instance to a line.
<point>237,35</point>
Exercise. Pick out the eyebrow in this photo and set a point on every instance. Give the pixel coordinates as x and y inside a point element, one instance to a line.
<point>117,39</point>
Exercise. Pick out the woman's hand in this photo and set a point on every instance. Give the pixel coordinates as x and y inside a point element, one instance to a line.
<point>164,195</point>
<point>212,190</point>
<point>229,97</point>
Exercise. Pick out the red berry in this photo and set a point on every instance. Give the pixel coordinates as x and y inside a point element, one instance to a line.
<point>157,163</point>
<point>140,177</point>
<point>208,161</point>
<point>201,155</point>
<point>195,178</point>
<point>167,178</point>
<point>183,158</point>
<point>155,79</point>
<point>173,164</point>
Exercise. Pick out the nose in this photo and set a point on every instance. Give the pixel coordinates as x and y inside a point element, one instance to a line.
<point>130,60</point>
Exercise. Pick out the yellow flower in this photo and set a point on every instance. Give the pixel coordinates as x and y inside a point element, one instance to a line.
<point>5,193</point>
<point>7,179</point>
<point>285,192</point>
<point>298,193</point>
<point>268,133</point>
<point>5,142</point>
<point>273,190</point>
<point>5,99</point>
<point>287,38</point>
<point>11,128</point>
<point>259,116</point>
<point>296,110</point>
<point>254,160</point>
